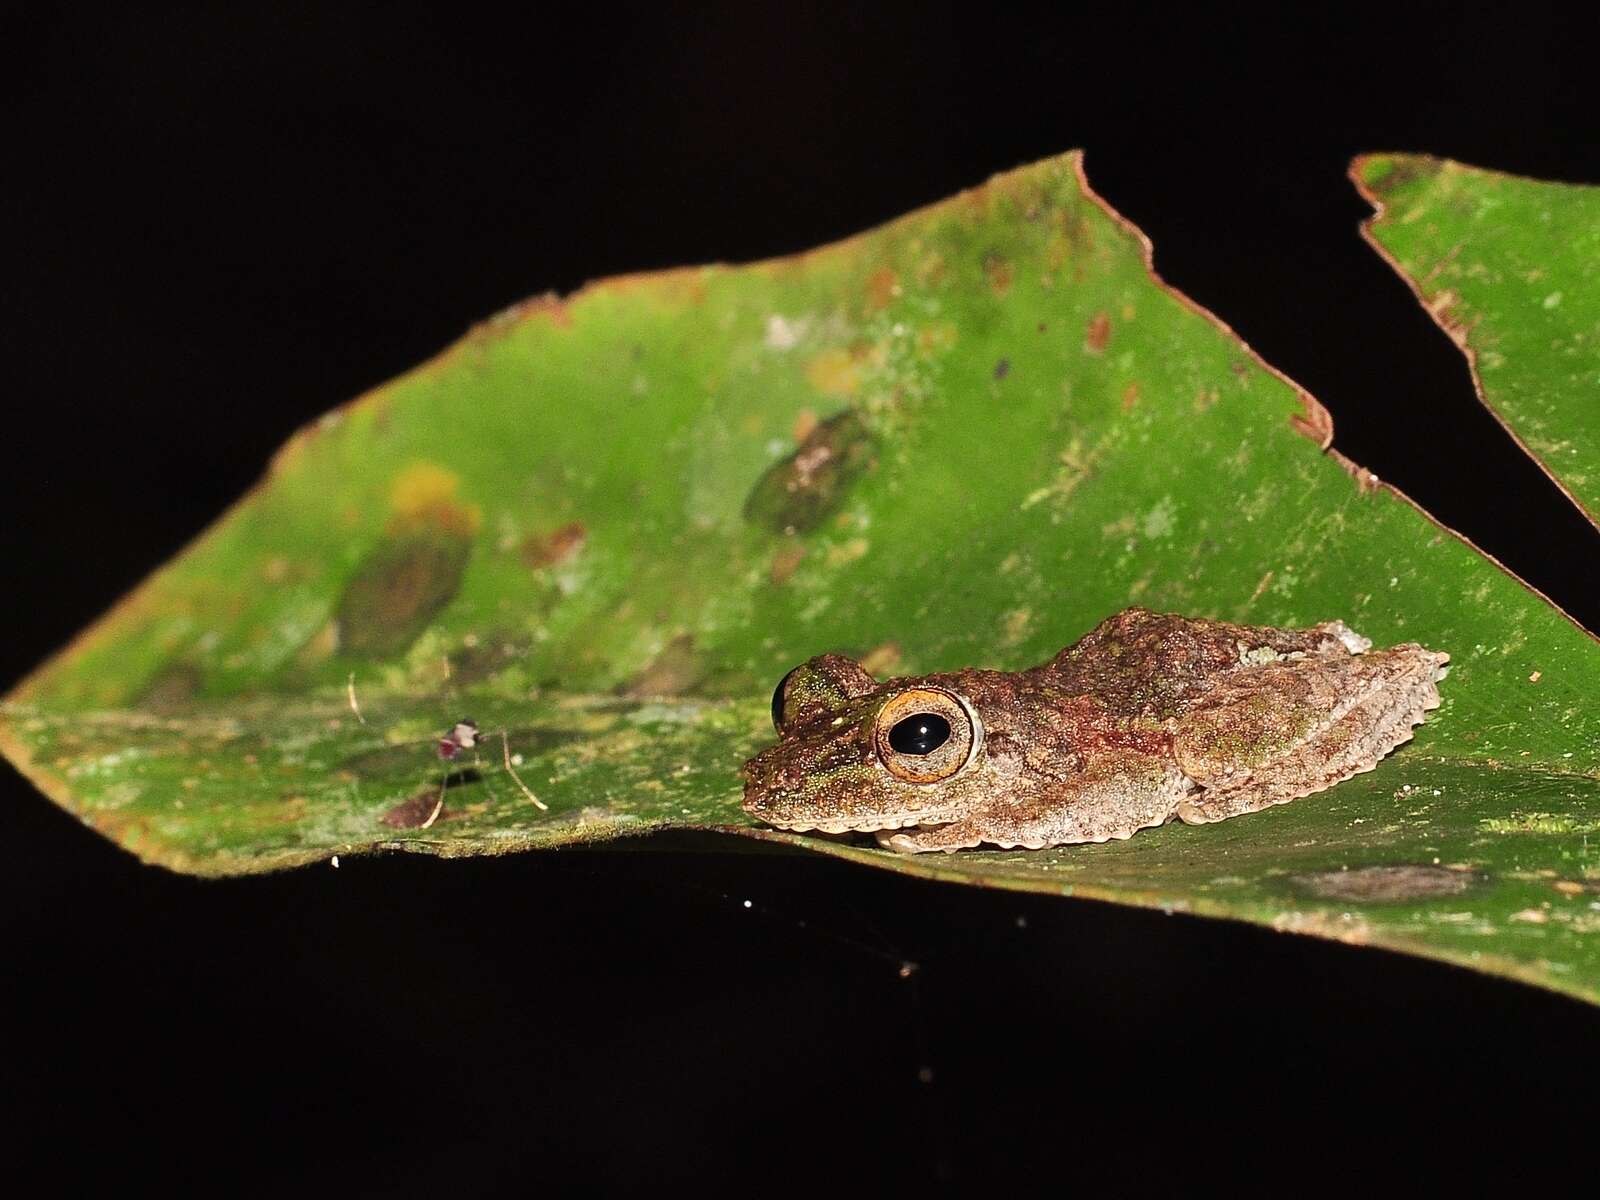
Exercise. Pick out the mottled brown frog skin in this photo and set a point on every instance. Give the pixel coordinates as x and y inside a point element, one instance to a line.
<point>1148,717</point>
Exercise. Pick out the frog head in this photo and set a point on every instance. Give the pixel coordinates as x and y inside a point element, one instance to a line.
<point>857,755</point>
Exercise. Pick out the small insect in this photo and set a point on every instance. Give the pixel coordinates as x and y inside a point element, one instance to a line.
<point>463,735</point>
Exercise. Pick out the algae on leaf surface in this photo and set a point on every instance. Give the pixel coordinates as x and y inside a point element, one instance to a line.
<point>609,524</point>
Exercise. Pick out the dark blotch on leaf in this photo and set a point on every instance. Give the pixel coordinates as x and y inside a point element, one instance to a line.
<point>172,687</point>
<point>1002,368</point>
<point>1382,885</point>
<point>1385,175</point>
<point>401,586</point>
<point>677,669</point>
<point>411,812</point>
<point>800,492</point>
<point>555,547</point>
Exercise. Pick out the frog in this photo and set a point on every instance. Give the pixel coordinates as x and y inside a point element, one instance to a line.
<point>1148,718</point>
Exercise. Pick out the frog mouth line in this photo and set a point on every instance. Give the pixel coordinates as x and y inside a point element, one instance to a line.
<point>871,825</point>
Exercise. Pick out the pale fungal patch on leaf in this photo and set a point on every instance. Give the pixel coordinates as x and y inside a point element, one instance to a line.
<point>1340,927</point>
<point>1161,520</point>
<point>1017,623</point>
<point>1387,884</point>
<point>784,333</point>
<point>1561,824</point>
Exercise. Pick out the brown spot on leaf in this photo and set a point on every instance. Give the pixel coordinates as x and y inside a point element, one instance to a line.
<point>1098,335</point>
<point>557,546</point>
<point>998,272</point>
<point>172,687</point>
<point>1130,397</point>
<point>1206,399</point>
<point>411,812</point>
<point>786,561</point>
<point>1387,884</point>
<point>1056,252</point>
<point>404,582</point>
<point>882,287</point>
<point>801,491</point>
<point>805,424</point>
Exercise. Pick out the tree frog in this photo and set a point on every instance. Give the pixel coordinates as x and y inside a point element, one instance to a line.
<point>1147,718</point>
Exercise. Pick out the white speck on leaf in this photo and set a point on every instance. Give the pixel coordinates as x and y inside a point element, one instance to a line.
<point>784,334</point>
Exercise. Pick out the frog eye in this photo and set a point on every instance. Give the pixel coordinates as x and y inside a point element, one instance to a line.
<point>778,701</point>
<point>822,685</point>
<point>924,735</point>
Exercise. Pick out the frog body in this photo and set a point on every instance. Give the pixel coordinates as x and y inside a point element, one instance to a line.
<point>1147,718</point>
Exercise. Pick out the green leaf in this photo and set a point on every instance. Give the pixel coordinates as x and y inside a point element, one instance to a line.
<point>1510,269</point>
<point>608,525</point>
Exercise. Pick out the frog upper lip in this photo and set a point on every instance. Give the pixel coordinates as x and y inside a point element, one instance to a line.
<point>861,824</point>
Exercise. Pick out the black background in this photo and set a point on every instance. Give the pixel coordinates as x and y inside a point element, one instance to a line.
<point>213,228</point>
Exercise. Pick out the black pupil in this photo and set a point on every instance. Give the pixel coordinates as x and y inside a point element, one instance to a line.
<point>921,733</point>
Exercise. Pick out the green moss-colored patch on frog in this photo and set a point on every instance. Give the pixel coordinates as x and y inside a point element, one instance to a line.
<point>533,522</point>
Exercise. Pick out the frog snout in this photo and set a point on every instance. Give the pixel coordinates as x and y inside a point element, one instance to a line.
<point>769,778</point>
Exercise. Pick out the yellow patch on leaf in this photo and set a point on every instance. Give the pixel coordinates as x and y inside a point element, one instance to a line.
<point>424,494</point>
